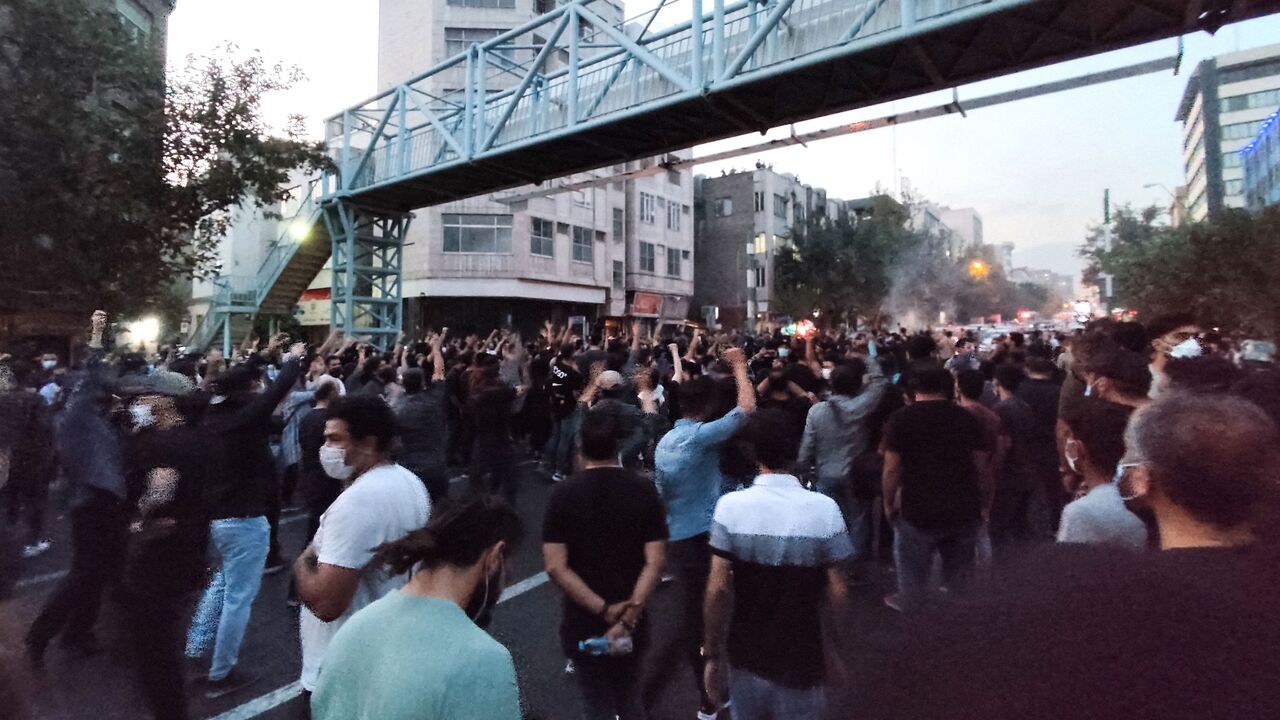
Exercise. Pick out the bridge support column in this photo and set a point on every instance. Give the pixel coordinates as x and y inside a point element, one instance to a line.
<point>368,250</point>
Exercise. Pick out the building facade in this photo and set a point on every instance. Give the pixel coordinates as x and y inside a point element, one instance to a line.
<point>1261,160</point>
<point>1004,256</point>
<point>744,219</point>
<point>516,258</point>
<point>1225,103</point>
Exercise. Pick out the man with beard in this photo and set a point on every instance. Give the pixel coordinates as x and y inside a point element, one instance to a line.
<point>419,653</point>
<point>382,503</point>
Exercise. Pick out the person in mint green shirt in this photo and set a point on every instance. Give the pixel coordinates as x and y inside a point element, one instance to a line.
<point>420,653</point>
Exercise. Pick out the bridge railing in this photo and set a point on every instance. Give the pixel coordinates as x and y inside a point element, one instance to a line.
<point>586,71</point>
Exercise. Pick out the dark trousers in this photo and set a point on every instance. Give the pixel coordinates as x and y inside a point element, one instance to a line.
<point>610,687</point>
<point>273,518</point>
<point>689,563</point>
<point>494,472</point>
<point>27,500</point>
<point>99,531</point>
<point>157,619</point>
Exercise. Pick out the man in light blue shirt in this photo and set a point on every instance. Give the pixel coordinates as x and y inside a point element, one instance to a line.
<point>1094,447</point>
<point>687,473</point>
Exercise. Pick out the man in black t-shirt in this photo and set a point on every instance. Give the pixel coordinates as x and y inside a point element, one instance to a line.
<point>935,487</point>
<point>564,384</point>
<point>604,539</point>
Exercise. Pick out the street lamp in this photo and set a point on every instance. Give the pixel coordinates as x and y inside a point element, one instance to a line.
<point>979,269</point>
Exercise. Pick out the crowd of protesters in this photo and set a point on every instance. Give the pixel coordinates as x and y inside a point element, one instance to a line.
<point>755,478</point>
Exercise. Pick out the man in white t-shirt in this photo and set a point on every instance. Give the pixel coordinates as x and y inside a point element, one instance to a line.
<point>382,502</point>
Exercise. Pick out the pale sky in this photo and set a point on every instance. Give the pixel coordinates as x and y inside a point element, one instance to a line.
<point>1034,169</point>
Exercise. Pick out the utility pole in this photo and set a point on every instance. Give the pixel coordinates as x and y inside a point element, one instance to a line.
<point>1107,290</point>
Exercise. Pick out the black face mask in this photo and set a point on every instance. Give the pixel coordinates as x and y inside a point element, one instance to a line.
<point>485,599</point>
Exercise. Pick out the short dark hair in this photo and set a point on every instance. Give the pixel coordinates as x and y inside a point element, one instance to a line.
<point>1100,353</point>
<point>1099,425</point>
<point>1162,325</point>
<point>697,397</point>
<point>325,391</point>
<point>920,347</point>
<point>237,380</point>
<point>935,381</point>
<point>771,436</point>
<point>846,379</point>
<point>366,416</point>
<point>600,433</point>
<point>971,383</point>
<point>1010,377</point>
<point>1225,477</point>
<point>1207,373</point>
<point>414,380</point>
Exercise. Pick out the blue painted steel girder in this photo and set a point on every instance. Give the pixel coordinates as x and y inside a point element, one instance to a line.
<point>763,65</point>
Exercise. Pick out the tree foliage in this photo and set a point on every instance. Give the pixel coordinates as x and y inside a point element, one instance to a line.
<point>1226,271</point>
<point>115,180</point>
<point>882,267</point>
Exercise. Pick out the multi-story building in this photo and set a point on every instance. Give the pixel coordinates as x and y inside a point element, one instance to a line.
<point>1261,159</point>
<point>516,258</point>
<point>1063,286</point>
<point>959,228</point>
<point>1226,102</point>
<point>744,218</point>
<point>1004,256</point>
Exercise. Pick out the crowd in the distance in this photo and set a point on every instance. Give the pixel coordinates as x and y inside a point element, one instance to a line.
<point>1079,520</point>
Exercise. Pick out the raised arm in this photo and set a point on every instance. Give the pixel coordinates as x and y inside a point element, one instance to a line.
<point>677,366</point>
<point>737,360</point>
<point>437,357</point>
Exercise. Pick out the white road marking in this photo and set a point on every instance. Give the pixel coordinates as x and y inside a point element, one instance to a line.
<point>282,695</point>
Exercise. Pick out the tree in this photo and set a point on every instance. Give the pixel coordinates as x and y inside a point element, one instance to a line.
<point>839,267</point>
<point>1225,271</point>
<point>113,183</point>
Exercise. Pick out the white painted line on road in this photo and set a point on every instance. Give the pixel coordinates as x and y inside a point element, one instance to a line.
<point>282,695</point>
<point>259,705</point>
<point>38,579</point>
<point>54,576</point>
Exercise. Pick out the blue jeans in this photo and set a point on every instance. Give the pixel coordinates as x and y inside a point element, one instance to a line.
<point>564,436</point>
<point>856,511</point>
<point>755,698</point>
<point>913,550</point>
<point>223,613</point>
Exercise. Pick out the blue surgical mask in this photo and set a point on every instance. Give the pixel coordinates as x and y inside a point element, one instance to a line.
<point>784,352</point>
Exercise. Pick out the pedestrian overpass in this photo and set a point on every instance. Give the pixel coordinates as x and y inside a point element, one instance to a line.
<point>568,92</point>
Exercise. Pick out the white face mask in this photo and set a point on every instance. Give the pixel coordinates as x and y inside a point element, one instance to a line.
<point>48,364</point>
<point>142,416</point>
<point>334,462</point>
<point>1088,390</point>
<point>1071,461</point>
<point>826,373</point>
<point>784,352</point>
<point>1189,348</point>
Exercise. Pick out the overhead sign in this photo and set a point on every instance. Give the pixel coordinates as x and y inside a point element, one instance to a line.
<point>313,307</point>
<point>645,304</point>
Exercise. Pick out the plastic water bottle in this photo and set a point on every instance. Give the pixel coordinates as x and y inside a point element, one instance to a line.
<point>600,646</point>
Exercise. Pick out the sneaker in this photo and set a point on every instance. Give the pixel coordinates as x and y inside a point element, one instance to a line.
<point>235,680</point>
<point>558,477</point>
<point>891,602</point>
<point>568,668</point>
<point>39,548</point>
<point>708,716</point>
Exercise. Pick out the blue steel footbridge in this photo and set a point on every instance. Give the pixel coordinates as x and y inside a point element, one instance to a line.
<point>570,92</point>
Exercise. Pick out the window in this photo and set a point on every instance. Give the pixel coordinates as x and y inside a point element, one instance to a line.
<point>648,205</point>
<point>506,4</point>
<point>647,253</point>
<point>137,21</point>
<point>583,251</point>
<point>617,225</point>
<point>779,206</point>
<point>673,216</point>
<point>618,274</point>
<point>477,233</point>
<point>673,262</point>
<point>1234,187</point>
<point>674,177</point>
<point>799,214</point>
<point>1230,160</point>
<point>542,240</point>
<point>1262,99</point>
<point>761,245</point>
<point>457,40</point>
<point>1241,130</point>
<point>758,279</point>
<point>1249,72</point>
<point>759,202</point>
<point>724,207</point>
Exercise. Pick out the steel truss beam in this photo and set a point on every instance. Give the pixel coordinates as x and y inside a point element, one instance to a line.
<point>367,255</point>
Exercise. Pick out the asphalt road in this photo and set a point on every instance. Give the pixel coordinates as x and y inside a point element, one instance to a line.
<point>103,687</point>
